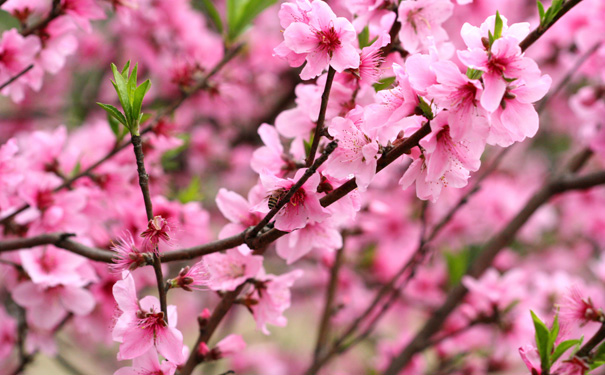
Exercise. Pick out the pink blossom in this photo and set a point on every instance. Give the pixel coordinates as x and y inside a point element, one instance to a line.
<point>460,95</point>
<point>322,236</point>
<point>516,118</point>
<point>421,19</point>
<point>227,347</point>
<point>157,229</point>
<point>16,53</point>
<point>148,364</point>
<point>576,308</point>
<point>370,60</point>
<point>325,40</point>
<point>190,277</point>
<point>356,154</point>
<point>128,257</point>
<point>141,326</point>
<point>47,306</point>
<point>304,205</point>
<point>501,61</point>
<point>82,11</point>
<point>237,210</point>
<point>59,42</point>
<point>273,299</point>
<point>271,156</point>
<point>394,110</point>
<point>8,334</point>
<point>228,271</point>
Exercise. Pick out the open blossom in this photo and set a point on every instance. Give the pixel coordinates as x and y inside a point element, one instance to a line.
<point>129,257</point>
<point>460,95</point>
<point>190,277</point>
<point>576,308</point>
<point>324,236</point>
<point>422,19</point>
<point>273,298</point>
<point>237,210</point>
<point>157,230</point>
<point>141,326</point>
<point>302,208</point>
<point>324,39</point>
<point>227,271</point>
<point>148,364</point>
<point>356,153</point>
<point>16,53</point>
<point>500,62</point>
<point>230,345</point>
<point>370,60</point>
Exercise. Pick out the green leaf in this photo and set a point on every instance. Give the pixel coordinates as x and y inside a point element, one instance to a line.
<point>562,348</point>
<point>213,14</point>
<point>364,37</point>
<point>542,340</point>
<point>137,102</point>
<point>121,88</point>
<point>76,169</point>
<point>191,193</point>
<point>114,112</point>
<point>473,73</point>
<point>541,12</point>
<point>126,69</point>
<point>240,13</point>
<point>553,333</point>
<point>456,266</point>
<point>132,85</point>
<point>425,108</point>
<point>384,83</point>
<point>114,124</point>
<point>498,26</point>
<point>7,21</point>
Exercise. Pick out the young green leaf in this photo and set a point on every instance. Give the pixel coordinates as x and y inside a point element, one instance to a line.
<point>542,340</point>
<point>541,12</point>
<point>241,13</point>
<point>114,112</point>
<point>562,348</point>
<point>553,333</point>
<point>213,14</point>
<point>137,102</point>
<point>121,88</point>
<point>473,73</point>
<point>114,124</point>
<point>132,85</point>
<point>498,26</point>
<point>384,83</point>
<point>364,37</point>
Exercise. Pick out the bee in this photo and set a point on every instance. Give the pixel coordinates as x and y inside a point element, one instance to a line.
<point>274,197</point>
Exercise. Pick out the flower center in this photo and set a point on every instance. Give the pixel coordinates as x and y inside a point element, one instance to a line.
<point>151,320</point>
<point>328,40</point>
<point>298,197</point>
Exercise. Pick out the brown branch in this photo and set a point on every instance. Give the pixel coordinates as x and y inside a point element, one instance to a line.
<point>322,116</point>
<point>322,335</point>
<point>17,76</point>
<point>599,336</point>
<point>486,257</point>
<point>286,198</point>
<point>540,30</point>
<point>209,327</point>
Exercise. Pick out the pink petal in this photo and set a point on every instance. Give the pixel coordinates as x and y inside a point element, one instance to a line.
<point>77,300</point>
<point>169,342</point>
<point>495,87</point>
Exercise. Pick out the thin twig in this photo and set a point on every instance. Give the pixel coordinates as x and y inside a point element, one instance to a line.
<point>208,329</point>
<point>286,198</point>
<point>540,30</point>
<point>322,116</point>
<point>17,76</point>
<point>324,326</point>
<point>485,259</point>
<point>144,184</point>
<point>567,77</point>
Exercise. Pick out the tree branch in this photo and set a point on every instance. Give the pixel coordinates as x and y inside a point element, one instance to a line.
<point>322,116</point>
